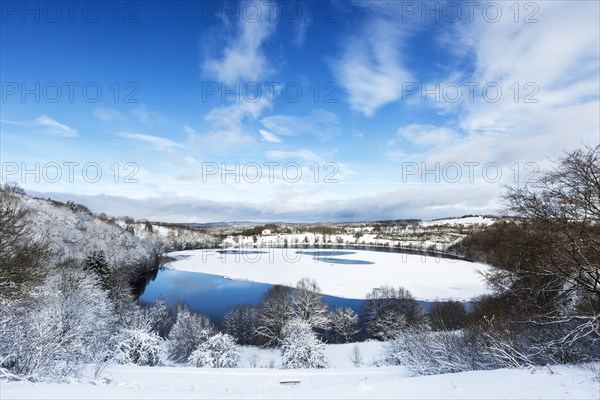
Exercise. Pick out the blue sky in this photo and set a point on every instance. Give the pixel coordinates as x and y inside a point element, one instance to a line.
<point>328,110</point>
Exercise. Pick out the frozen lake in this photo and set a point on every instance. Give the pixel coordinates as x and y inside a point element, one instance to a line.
<point>212,281</point>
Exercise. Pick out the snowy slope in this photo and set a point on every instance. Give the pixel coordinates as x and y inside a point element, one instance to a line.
<point>427,278</point>
<point>341,381</point>
<point>75,234</point>
<point>562,382</point>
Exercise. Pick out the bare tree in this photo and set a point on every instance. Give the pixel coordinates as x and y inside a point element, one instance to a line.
<point>562,209</point>
<point>546,260</point>
<point>566,202</point>
<point>447,315</point>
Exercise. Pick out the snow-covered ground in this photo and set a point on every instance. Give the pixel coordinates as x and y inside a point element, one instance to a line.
<point>342,380</point>
<point>426,277</point>
<point>474,220</point>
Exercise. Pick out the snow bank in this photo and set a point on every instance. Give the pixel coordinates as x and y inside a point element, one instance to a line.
<point>341,381</point>
<point>426,277</point>
<point>129,382</point>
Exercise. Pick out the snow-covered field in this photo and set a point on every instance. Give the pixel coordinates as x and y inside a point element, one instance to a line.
<point>474,220</point>
<point>426,277</point>
<point>342,380</point>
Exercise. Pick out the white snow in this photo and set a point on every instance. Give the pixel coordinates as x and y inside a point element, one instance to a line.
<point>475,220</point>
<point>342,381</point>
<point>426,277</point>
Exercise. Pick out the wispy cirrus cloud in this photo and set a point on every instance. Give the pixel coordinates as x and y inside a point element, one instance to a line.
<point>242,58</point>
<point>45,125</point>
<point>548,74</point>
<point>108,114</point>
<point>147,116</point>
<point>228,123</point>
<point>371,68</point>
<point>151,141</point>
<point>319,123</point>
<point>268,136</point>
<point>427,135</point>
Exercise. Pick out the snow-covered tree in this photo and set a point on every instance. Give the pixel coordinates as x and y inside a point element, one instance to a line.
<point>388,310</point>
<point>96,263</point>
<point>24,255</point>
<point>160,319</point>
<point>189,331</point>
<point>219,351</point>
<point>137,346</point>
<point>344,322</point>
<point>308,304</point>
<point>300,347</point>
<point>241,323</point>
<point>274,311</point>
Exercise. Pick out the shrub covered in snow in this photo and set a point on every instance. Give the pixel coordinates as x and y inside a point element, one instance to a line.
<point>219,351</point>
<point>429,353</point>
<point>300,347</point>
<point>189,331</point>
<point>70,321</point>
<point>137,346</point>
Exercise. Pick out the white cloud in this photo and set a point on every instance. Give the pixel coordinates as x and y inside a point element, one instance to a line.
<point>559,56</point>
<point>45,125</point>
<point>243,58</point>
<point>108,114</point>
<point>269,137</point>
<point>229,123</point>
<point>427,135</point>
<point>320,123</point>
<point>300,28</point>
<point>147,116</point>
<point>154,142</point>
<point>292,204</point>
<point>370,68</point>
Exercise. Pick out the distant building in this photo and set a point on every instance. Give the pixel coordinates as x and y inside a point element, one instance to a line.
<point>266,232</point>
